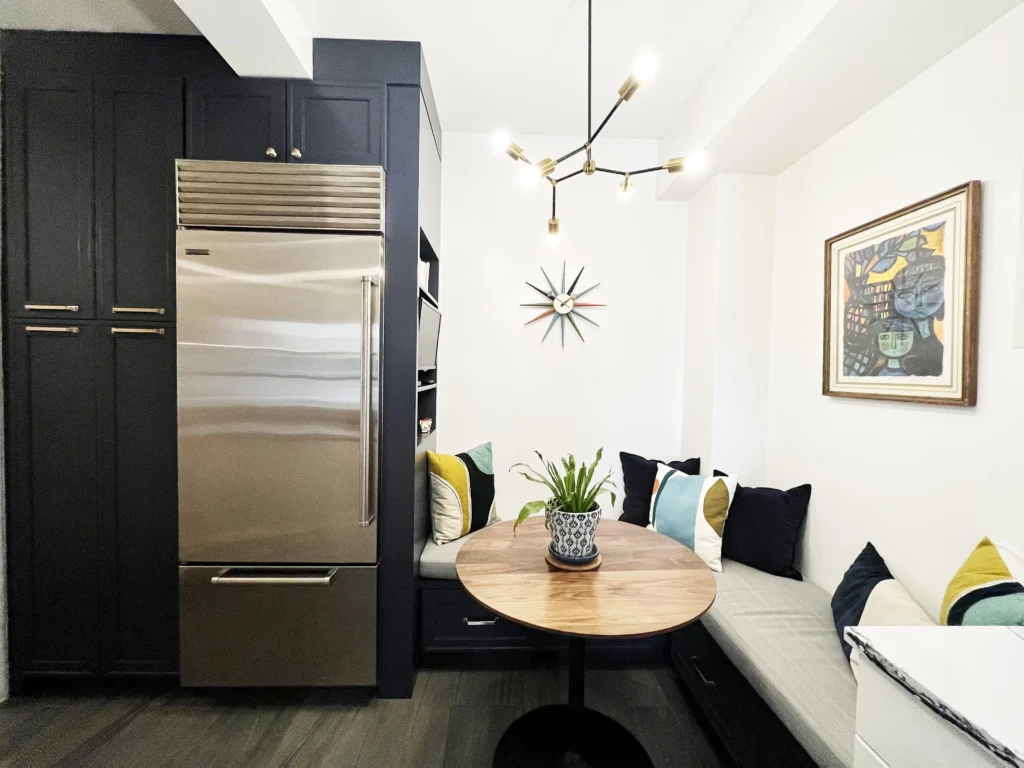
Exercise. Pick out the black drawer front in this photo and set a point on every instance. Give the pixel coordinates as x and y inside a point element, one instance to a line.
<point>452,620</point>
<point>747,726</point>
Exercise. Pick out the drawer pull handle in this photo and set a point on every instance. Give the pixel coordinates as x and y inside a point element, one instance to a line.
<point>158,331</point>
<point>139,310</point>
<point>226,578</point>
<point>52,328</point>
<point>479,622</point>
<point>52,307</point>
<point>696,667</point>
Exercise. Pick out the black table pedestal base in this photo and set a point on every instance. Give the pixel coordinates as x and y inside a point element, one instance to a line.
<point>569,735</point>
<point>561,736</point>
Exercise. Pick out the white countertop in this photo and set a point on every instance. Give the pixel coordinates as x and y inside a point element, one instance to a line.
<point>971,676</point>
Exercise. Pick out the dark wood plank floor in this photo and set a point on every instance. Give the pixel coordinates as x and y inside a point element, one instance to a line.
<point>453,720</point>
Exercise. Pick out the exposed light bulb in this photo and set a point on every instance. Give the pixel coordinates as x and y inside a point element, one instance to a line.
<point>645,67</point>
<point>696,162</point>
<point>500,141</point>
<point>626,188</point>
<point>554,238</point>
<point>529,175</point>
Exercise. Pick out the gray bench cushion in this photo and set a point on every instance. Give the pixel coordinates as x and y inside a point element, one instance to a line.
<point>438,562</point>
<point>779,633</point>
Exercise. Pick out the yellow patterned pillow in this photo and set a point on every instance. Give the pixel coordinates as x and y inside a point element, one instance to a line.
<point>461,492</point>
<point>988,590</point>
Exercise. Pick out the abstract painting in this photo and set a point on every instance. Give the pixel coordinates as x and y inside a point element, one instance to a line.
<point>901,303</point>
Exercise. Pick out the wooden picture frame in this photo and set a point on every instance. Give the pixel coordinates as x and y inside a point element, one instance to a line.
<point>901,303</point>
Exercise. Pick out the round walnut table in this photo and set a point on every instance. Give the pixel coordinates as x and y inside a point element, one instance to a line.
<point>647,584</point>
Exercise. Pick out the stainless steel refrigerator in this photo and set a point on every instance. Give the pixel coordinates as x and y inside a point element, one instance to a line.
<point>278,417</point>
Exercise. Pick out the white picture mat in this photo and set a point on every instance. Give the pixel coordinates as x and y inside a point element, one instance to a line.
<point>952,211</point>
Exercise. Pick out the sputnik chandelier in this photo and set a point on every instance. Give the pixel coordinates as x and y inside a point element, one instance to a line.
<point>643,70</point>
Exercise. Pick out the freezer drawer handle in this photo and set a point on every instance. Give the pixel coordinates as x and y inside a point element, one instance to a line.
<point>365,396</point>
<point>225,578</point>
<point>479,622</point>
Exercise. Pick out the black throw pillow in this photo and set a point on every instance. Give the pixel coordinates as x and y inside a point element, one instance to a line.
<point>638,476</point>
<point>764,526</point>
<point>853,591</point>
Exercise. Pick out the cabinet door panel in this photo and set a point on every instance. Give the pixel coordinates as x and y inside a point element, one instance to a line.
<point>52,505</point>
<point>50,195</point>
<point>138,497</point>
<point>138,136</point>
<point>335,124</point>
<point>230,118</point>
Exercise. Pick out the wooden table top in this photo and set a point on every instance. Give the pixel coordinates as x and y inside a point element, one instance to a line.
<point>647,583</point>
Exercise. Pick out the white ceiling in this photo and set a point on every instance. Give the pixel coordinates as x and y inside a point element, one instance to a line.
<point>518,66</point>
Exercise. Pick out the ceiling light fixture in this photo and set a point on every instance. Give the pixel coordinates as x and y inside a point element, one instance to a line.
<point>644,69</point>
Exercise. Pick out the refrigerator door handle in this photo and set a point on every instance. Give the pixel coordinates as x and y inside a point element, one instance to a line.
<point>365,400</point>
<point>228,576</point>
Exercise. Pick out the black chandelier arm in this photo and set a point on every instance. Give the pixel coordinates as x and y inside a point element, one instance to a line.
<point>554,189</point>
<point>574,152</point>
<point>568,176</point>
<point>611,170</point>
<point>590,58</point>
<point>647,170</point>
<point>605,121</point>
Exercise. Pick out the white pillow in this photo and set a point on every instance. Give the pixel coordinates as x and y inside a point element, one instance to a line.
<point>890,605</point>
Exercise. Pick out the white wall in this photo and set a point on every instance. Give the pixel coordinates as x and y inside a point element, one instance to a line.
<point>622,389</point>
<point>924,483</point>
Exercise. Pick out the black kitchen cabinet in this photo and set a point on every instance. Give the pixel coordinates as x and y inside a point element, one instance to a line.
<point>235,119</point>
<point>334,124</point>
<point>138,136</point>
<point>50,195</point>
<point>137,409</point>
<point>52,502</point>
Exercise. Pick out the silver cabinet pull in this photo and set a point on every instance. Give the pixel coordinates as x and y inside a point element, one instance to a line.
<point>696,667</point>
<point>155,331</point>
<point>139,310</point>
<point>479,622</point>
<point>52,328</point>
<point>365,396</point>
<point>271,152</point>
<point>52,307</point>
<point>296,153</point>
<point>248,577</point>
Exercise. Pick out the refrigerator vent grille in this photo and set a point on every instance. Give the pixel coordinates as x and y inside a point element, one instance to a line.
<point>213,193</point>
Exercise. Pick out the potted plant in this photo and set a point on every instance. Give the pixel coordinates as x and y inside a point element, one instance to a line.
<point>571,512</point>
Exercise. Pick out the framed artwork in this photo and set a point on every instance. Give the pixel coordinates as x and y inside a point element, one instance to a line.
<point>901,303</point>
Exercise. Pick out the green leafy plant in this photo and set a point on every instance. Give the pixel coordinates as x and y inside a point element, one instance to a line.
<point>573,488</point>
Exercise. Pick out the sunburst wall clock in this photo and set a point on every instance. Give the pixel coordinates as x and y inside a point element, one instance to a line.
<point>562,304</point>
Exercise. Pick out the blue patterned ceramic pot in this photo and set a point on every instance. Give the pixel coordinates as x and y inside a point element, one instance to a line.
<point>572,533</point>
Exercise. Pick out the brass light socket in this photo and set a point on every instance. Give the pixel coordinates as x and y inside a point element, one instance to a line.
<point>629,88</point>
<point>553,226</point>
<point>589,166</point>
<point>546,166</point>
<point>514,151</point>
<point>675,165</point>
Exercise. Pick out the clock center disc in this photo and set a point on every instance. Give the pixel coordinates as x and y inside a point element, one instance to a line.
<point>563,303</point>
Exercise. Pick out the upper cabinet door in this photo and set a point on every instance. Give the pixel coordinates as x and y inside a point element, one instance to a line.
<point>50,195</point>
<point>138,137</point>
<point>335,124</point>
<point>231,118</point>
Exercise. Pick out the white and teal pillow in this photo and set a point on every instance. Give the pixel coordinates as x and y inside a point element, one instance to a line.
<point>692,509</point>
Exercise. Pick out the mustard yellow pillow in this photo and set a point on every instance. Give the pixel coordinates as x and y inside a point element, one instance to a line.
<point>461,492</point>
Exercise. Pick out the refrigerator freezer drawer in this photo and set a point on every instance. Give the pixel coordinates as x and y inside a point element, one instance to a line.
<point>270,626</point>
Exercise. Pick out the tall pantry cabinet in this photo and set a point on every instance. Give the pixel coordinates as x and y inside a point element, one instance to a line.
<point>89,300</point>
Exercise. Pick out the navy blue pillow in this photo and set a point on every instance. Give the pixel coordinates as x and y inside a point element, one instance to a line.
<point>852,593</point>
<point>764,527</point>
<point>638,476</point>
